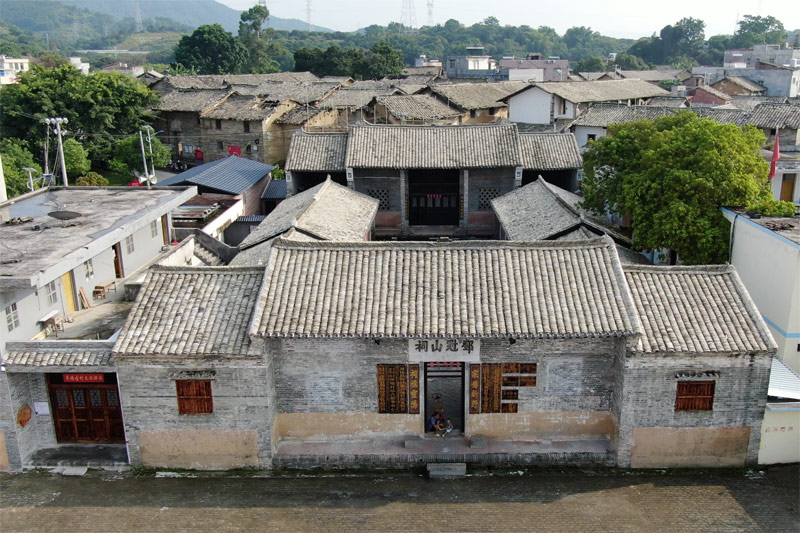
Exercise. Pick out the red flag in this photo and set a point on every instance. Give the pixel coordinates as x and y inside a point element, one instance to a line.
<point>776,154</point>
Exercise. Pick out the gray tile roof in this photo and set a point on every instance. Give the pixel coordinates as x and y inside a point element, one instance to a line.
<point>418,107</point>
<point>668,101</point>
<point>534,212</point>
<point>201,311</point>
<point>748,103</point>
<point>276,190</point>
<point>461,289</point>
<point>240,107</point>
<point>545,151</point>
<point>232,175</point>
<point>329,212</point>
<point>306,92</point>
<point>350,98</point>
<point>408,147</point>
<point>772,115</point>
<point>723,116</point>
<point>317,152</point>
<point>474,96</point>
<point>220,81</point>
<point>299,115</point>
<point>601,91</point>
<point>58,353</point>
<point>696,310</point>
<point>745,84</point>
<point>601,115</point>
<point>193,101</point>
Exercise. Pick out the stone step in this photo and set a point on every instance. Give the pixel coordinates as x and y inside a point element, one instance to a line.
<point>447,470</point>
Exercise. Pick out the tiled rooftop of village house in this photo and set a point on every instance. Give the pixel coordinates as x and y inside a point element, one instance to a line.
<point>477,289</point>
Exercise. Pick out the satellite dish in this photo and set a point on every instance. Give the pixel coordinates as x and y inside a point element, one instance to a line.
<point>63,215</point>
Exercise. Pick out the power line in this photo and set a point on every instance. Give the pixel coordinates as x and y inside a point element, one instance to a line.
<point>408,16</point>
<point>308,14</point>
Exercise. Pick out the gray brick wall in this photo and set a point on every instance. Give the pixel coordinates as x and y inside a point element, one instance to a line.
<point>650,385</point>
<point>241,390</point>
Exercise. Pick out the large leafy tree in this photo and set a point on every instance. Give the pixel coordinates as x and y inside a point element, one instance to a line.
<point>671,176</point>
<point>258,40</point>
<point>212,50</point>
<point>380,61</point>
<point>758,30</point>
<point>128,154</point>
<point>16,157</point>
<point>591,64</point>
<point>100,107</point>
<point>75,158</point>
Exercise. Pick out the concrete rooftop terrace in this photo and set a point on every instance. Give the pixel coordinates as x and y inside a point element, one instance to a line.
<point>36,252</point>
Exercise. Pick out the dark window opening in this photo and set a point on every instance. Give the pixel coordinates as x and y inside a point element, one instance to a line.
<point>218,124</point>
<point>247,127</point>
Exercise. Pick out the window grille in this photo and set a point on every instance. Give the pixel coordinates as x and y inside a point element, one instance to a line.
<point>694,396</point>
<point>52,293</point>
<point>154,229</point>
<point>12,317</point>
<point>88,269</point>
<point>129,244</point>
<point>194,397</point>
<point>485,197</point>
<point>382,195</point>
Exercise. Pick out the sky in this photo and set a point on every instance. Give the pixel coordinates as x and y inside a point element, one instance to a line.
<point>614,18</point>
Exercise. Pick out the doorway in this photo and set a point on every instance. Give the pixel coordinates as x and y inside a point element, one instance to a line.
<point>444,391</point>
<point>118,261</point>
<point>433,198</point>
<point>86,408</point>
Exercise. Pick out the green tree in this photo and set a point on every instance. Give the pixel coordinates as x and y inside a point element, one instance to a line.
<point>99,107</point>
<point>258,40</point>
<point>381,61</point>
<point>92,179</point>
<point>16,156</point>
<point>592,64</point>
<point>758,30</point>
<point>76,158</point>
<point>128,154</point>
<point>212,50</point>
<point>672,176</point>
<point>630,62</point>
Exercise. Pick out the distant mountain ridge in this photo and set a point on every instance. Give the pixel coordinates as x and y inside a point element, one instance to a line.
<point>193,13</point>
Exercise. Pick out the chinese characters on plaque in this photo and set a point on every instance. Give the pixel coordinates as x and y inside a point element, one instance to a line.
<point>444,349</point>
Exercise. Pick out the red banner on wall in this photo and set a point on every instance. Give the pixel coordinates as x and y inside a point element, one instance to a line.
<point>235,150</point>
<point>83,378</point>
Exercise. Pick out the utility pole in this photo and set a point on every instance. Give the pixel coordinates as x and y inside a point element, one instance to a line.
<point>58,121</point>
<point>46,147</point>
<point>308,14</point>
<point>430,13</point>
<point>144,159</point>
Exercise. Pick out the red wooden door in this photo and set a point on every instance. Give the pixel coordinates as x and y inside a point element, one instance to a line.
<point>86,413</point>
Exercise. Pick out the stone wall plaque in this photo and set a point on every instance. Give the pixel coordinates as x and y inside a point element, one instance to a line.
<point>324,388</point>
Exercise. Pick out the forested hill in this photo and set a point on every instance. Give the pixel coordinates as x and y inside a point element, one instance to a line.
<point>191,13</point>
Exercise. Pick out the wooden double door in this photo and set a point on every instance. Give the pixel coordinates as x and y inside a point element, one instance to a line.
<point>86,412</point>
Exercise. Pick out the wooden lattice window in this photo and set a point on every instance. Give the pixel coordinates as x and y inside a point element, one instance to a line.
<point>382,195</point>
<point>194,397</point>
<point>694,396</point>
<point>485,197</point>
<point>491,387</point>
<point>392,389</point>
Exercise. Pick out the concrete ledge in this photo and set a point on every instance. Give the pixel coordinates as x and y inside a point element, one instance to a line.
<point>447,470</point>
<point>413,444</point>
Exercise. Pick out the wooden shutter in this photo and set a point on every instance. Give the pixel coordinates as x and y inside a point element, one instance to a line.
<point>392,389</point>
<point>491,387</point>
<point>694,396</point>
<point>194,397</point>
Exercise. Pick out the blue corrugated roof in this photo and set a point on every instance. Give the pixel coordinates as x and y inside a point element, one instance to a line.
<point>276,190</point>
<point>232,175</point>
<point>251,218</point>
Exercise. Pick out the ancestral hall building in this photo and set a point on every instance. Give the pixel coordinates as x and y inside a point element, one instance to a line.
<point>432,179</point>
<point>336,353</point>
